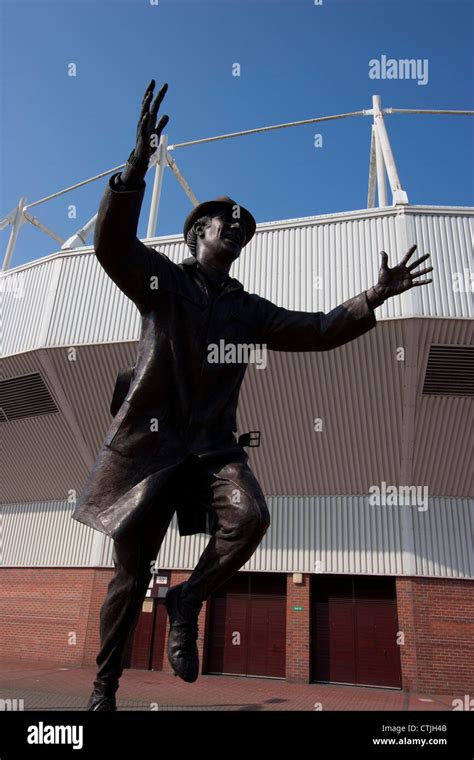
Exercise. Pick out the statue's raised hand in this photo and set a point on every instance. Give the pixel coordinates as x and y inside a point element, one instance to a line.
<point>148,136</point>
<point>401,277</point>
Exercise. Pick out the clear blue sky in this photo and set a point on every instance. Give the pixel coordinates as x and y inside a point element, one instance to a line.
<point>297,61</point>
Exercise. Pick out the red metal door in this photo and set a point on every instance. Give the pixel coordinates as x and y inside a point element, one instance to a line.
<point>354,631</point>
<point>140,642</point>
<point>227,646</point>
<point>247,627</point>
<point>378,655</point>
<point>333,621</point>
<point>266,654</point>
<point>146,645</point>
<point>376,627</point>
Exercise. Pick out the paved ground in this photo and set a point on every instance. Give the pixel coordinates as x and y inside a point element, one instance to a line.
<point>43,687</point>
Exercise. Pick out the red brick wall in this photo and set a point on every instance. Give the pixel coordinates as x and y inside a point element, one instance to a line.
<point>101,579</point>
<point>40,608</point>
<point>298,630</point>
<point>437,617</point>
<point>407,626</point>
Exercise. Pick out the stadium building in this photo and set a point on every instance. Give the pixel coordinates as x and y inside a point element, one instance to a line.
<point>359,579</point>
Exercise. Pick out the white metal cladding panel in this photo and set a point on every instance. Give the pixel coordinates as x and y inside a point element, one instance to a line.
<point>281,263</point>
<point>331,534</point>
<point>24,296</point>
<point>43,534</point>
<point>318,266</point>
<point>312,534</point>
<point>284,258</point>
<point>449,239</point>
<point>89,307</point>
<point>444,538</point>
<point>345,534</point>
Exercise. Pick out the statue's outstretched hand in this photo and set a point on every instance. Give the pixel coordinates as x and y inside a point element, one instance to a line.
<point>148,136</point>
<point>401,277</point>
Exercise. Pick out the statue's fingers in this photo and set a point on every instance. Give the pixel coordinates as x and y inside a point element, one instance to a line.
<point>418,261</point>
<point>384,259</point>
<point>424,282</point>
<point>158,100</point>
<point>146,104</point>
<point>149,90</point>
<point>409,253</point>
<point>422,271</point>
<point>162,124</point>
<point>143,121</point>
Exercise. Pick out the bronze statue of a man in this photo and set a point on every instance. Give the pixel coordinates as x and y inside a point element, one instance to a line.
<point>172,445</point>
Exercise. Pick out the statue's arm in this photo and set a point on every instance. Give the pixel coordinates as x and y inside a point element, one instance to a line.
<point>124,257</point>
<point>132,265</point>
<point>284,330</point>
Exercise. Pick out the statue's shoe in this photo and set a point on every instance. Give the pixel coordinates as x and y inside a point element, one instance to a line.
<point>100,701</point>
<point>182,648</point>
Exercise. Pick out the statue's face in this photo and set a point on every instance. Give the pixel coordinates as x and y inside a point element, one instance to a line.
<point>223,235</point>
